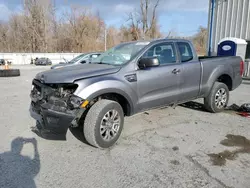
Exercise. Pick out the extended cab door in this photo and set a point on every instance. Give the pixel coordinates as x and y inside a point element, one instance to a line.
<point>159,86</point>
<point>191,72</point>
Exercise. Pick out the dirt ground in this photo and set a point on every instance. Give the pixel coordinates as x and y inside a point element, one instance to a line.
<point>181,147</point>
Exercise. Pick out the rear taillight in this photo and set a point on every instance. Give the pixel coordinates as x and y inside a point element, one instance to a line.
<point>241,68</point>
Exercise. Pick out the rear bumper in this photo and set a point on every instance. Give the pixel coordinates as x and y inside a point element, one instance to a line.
<point>51,124</point>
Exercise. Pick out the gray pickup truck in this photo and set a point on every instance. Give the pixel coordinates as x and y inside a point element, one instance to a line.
<point>127,79</point>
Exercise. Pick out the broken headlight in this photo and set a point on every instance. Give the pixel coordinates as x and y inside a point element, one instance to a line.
<point>64,90</point>
<point>75,101</point>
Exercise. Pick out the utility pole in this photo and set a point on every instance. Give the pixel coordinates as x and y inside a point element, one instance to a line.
<point>211,26</point>
<point>105,39</point>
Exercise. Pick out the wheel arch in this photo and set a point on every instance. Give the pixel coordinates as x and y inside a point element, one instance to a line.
<point>118,97</point>
<point>220,75</point>
<point>227,80</point>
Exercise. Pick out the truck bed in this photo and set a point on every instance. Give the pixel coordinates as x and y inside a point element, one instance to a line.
<point>228,67</point>
<point>212,57</point>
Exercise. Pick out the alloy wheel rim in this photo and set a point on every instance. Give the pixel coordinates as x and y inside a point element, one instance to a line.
<point>221,98</point>
<point>110,125</point>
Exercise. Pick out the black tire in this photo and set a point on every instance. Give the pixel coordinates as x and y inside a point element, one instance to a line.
<point>209,101</point>
<point>10,73</point>
<point>92,123</point>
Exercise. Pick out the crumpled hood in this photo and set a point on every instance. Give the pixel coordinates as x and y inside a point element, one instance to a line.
<point>60,65</point>
<point>69,74</point>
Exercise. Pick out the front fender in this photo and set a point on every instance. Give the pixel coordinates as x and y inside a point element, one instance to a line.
<point>216,73</point>
<point>108,86</point>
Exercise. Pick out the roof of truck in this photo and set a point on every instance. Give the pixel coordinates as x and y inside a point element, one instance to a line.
<point>160,40</point>
<point>171,39</point>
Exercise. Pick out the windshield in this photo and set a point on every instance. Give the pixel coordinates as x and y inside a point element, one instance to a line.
<point>77,58</point>
<point>120,54</point>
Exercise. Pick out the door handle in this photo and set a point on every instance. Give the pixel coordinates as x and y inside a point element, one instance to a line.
<point>176,71</point>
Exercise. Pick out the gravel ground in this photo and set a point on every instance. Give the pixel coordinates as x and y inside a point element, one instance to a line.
<point>162,148</point>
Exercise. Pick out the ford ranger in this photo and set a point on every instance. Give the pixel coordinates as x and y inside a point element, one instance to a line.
<point>127,79</point>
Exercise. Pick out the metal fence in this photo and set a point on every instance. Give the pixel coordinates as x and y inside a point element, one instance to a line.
<point>25,58</point>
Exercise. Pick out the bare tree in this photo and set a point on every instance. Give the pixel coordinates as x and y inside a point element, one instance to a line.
<point>135,24</point>
<point>149,26</point>
<point>200,40</point>
<point>39,20</point>
<point>38,29</point>
<point>85,29</point>
<point>144,23</point>
<point>4,37</point>
<point>18,34</point>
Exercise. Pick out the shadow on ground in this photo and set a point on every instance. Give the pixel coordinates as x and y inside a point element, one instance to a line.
<point>78,134</point>
<point>17,170</point>
<point>49,135</point>
<point>194,106</point>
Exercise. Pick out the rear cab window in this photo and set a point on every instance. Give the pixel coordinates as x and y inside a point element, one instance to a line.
<point>185,51</point>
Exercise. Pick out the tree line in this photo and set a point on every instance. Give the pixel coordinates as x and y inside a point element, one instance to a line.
<point>38,28</point>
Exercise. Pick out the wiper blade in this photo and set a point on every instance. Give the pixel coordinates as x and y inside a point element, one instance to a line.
<point>102,63</point>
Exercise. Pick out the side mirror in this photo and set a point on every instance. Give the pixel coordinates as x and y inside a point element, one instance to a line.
<point>148,62</point>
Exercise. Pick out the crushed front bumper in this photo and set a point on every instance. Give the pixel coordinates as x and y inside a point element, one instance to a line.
<point>50,123</point>
<point>52,116</point>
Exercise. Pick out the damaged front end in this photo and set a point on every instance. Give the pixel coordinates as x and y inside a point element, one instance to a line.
<point>55,108</point>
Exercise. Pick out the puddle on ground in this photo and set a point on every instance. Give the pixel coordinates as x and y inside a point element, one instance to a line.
<point>241,142</point>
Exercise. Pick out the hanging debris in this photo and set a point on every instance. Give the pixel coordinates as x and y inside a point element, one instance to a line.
<point>243,110</point>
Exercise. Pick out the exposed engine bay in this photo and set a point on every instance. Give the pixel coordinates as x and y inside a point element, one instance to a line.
<point>55,107</point>
<point>60,96</point>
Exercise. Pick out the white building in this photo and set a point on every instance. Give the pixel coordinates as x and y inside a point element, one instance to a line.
<point>25,58</point>
<point>231,18</point>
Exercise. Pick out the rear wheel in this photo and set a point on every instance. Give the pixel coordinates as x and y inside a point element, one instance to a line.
<point>218,98</point>
<point>103,123</point>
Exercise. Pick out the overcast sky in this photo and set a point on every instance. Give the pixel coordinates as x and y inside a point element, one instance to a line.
<point>182,16</point>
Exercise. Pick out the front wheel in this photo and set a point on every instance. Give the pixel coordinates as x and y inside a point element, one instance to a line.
<point>218,98</point>
<point>103,123</point>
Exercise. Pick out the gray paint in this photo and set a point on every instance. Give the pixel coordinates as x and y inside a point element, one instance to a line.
<point>156,86</point>
<point>214,68</point>
<point>71,73</point>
